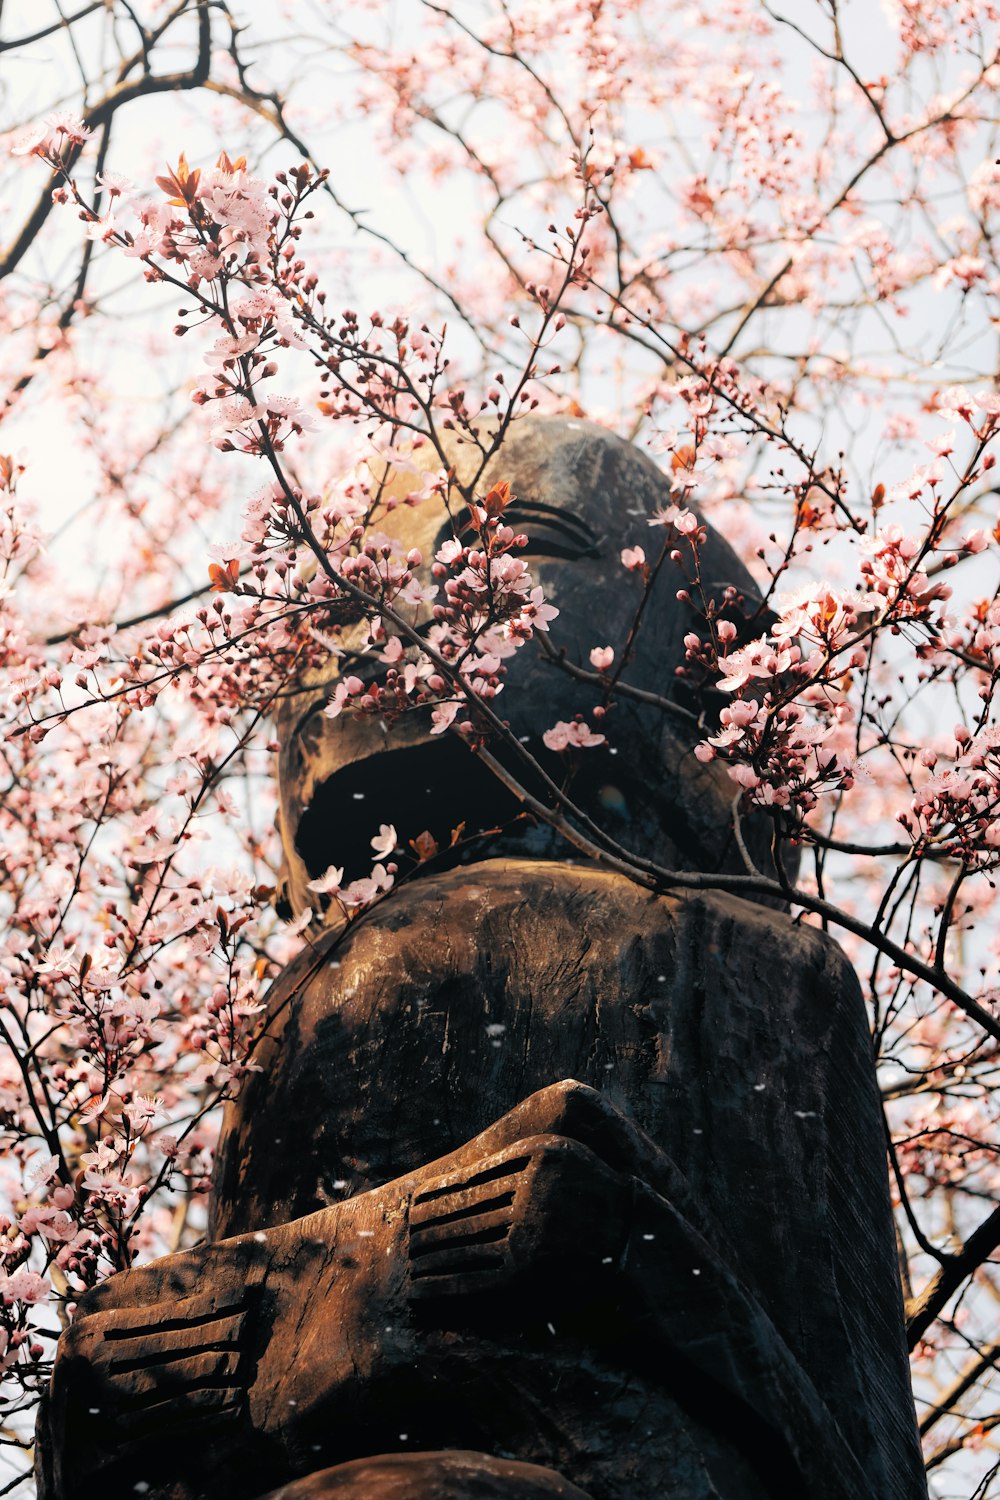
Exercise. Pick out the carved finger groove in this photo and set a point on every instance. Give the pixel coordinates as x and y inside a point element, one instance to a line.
<point>153,1326</point>
<point>168,1357</point>
<point>489,1174</point>
<point>201,1409</point>
<point>188,1397</point>
<point>467,1211</point>
<point>486,1236</point>
<point>449,1263</point>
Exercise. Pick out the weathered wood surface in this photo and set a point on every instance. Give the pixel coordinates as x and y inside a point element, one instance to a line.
<point>679,1281</point>
<point>734,1038</point>
<point>445,1476</point>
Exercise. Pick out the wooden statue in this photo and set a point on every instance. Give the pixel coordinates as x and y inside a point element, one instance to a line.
<point>549,1186</point>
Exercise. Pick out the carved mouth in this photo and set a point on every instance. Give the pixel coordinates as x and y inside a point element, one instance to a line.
<point>443,789</point>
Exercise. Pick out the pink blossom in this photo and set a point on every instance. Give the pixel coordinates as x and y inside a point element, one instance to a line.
<point>363,892</point>
<point>758,660</point>
<point>975,541</point>
<point>52,1224</point>
<point>683,521</point>
<point>328,883</point>
<point>115,184</point>
<point>48,138</point>
<point>966,269</point>
<point>573,735</point>
<point>141,1110</point>
<point>24,1286</point>
<point>536,612</point>
<point>384,841</point>
<point>442,715</point>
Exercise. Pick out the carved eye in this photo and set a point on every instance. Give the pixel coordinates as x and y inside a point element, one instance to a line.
<point>551,531</point>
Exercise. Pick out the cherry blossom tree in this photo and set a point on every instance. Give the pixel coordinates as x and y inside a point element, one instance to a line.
<point>759,240</point>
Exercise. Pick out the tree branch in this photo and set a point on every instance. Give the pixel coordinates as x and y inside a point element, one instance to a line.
<point>63,23</point>
<point>101,113</point>
<point>923,1309</point>
<point>976,1367</point>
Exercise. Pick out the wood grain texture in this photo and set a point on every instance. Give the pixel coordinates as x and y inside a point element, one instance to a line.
<point>447,1476</point>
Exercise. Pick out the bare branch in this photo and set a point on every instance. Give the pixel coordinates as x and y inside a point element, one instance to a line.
<point>924,1308</point>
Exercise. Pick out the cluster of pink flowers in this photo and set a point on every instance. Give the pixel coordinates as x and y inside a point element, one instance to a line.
<point>360,894</point>
<point>891,573</point>
<point>490,608</point>
<point>788,735</point>
<point>574,735</point>
<point>956,810</point>
<point>50,136</point>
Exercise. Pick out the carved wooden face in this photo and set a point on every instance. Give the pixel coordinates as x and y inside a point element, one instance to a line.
<point>582,495</point>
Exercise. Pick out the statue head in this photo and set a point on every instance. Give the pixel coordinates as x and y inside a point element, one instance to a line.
<point>581,496</point>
